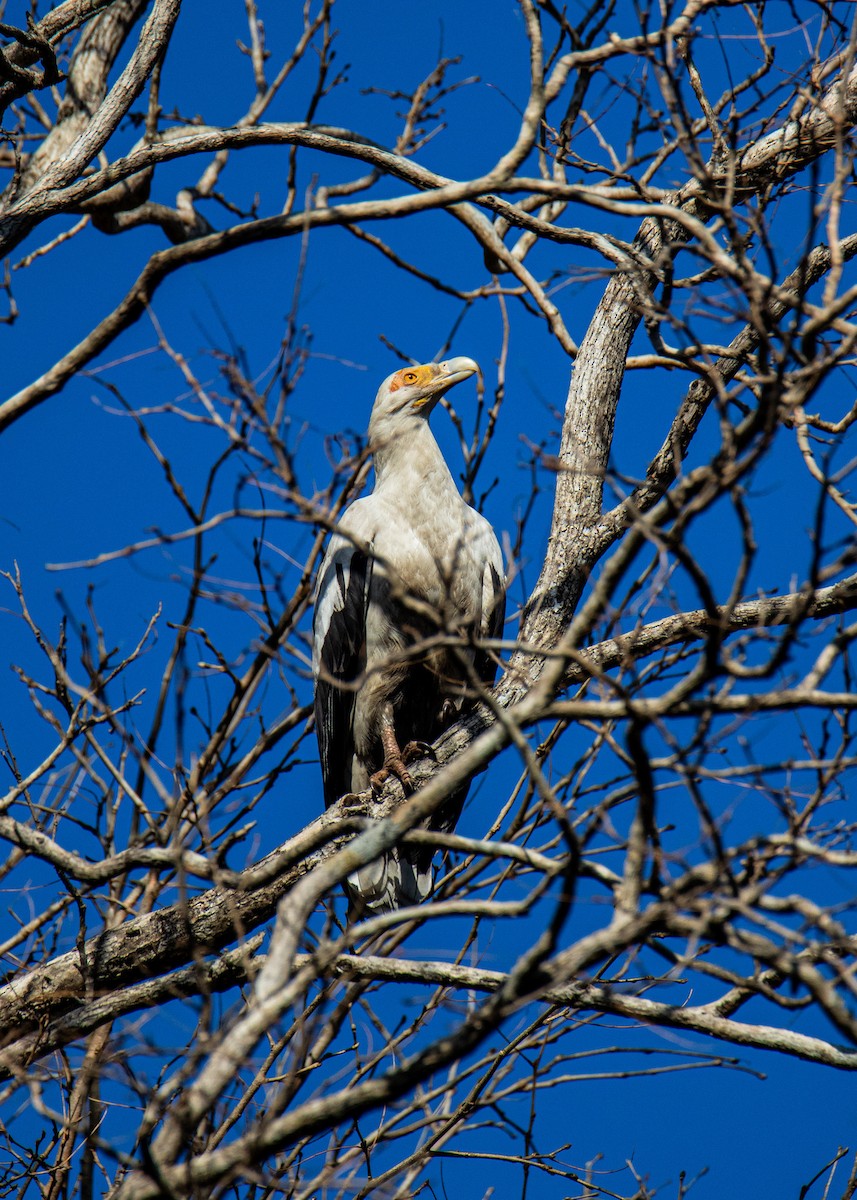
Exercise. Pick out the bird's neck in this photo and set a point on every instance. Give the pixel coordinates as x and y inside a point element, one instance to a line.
<point>411,459</point>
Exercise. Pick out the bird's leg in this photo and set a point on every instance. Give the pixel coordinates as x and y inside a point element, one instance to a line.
<point>416,749</point>
<point>394,763</point>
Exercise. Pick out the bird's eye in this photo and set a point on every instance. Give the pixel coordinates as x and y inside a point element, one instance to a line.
<point>410,377</point>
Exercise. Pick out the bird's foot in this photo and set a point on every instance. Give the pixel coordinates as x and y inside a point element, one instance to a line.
<point>393,765</point>
<point>397,764</point>
<point>414,751</point>
<point>394,759</point>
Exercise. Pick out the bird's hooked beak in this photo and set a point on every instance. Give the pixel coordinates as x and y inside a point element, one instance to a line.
<point>442,376</point>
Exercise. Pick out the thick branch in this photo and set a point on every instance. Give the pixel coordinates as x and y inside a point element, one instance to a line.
<point>95,54</point>
<point>160,941</point>
<point>575,541</point>
<point>229,970</point>
<point>59,162</point>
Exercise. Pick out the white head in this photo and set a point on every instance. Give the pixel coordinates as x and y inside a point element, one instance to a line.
<point>408,396</point>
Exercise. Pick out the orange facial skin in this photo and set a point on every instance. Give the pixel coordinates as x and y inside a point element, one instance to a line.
<point>411,376</point>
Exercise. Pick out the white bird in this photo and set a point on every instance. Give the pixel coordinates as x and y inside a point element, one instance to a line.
<point>409,589</point>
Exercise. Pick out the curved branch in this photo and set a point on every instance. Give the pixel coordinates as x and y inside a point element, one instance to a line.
<point>169,937</point>
<point>582,997</point>
<point>576,540</point>
<point>164,263</point>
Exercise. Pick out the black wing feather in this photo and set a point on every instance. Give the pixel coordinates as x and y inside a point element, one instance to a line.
<point>342,661</point>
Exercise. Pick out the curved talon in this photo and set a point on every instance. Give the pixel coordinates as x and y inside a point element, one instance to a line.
<point>414,751</point>
<point>393,766</point>
<point>448,713</point>
<point>377,781</point>
<point>394,761</point>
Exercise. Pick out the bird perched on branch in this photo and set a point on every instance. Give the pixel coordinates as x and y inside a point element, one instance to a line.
<point>409,589</point>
